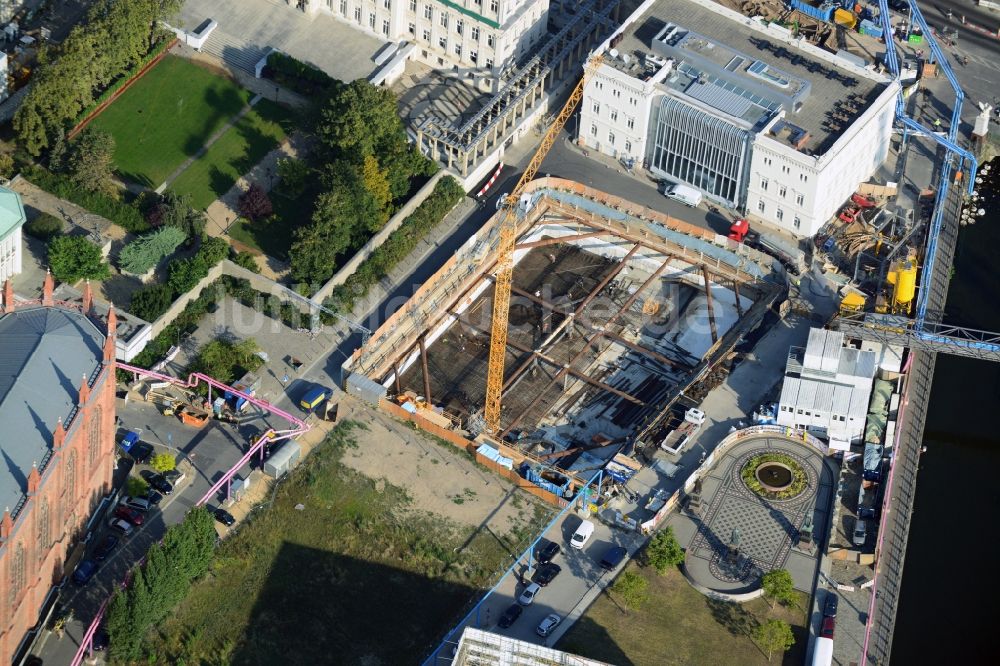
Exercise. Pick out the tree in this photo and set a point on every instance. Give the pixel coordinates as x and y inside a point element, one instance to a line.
<point>151,301</point>
<point>357,120</point>
<point>247,260</point>
<point>223,359</point>
<point>314,252</point>
<point>254,203</point>
<point>631,589</point>
<point>90,162</point>
<point>73,258</point>
<point>135,486</point>
<point>6,165</point>
<point>163,462</point>
<point>778,586</point>
<point>663,551</point>
<point>375,182</point>
<point>773,636</point>
<point>146,251</point>
<point>175,210</point>
<point>293,174</point>
<point>44,227</point>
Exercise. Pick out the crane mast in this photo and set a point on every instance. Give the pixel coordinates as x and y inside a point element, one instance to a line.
<point>505,255</point>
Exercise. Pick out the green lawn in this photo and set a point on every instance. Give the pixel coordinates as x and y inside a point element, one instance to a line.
<point>235,153</point>
<point>166,117</point>
<point>679,625</point>
<point>274,237</point>
<point>350,577</point>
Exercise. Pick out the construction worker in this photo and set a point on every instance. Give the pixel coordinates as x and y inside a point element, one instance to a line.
<point>937,123</point>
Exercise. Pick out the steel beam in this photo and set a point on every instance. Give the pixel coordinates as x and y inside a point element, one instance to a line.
<point>562,239</point>
<point>711,307</point>
<point>395,376</point>
<point>739,306</point>
<point>644,351</point>
<point>426,371</point>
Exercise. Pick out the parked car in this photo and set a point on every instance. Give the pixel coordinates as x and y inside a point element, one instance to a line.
<point>158,483</point>
<point>582,535</point>
<point>549,552</point>
<point>122,526</point>
<point>546,573</point>
<point>529,594</point>
<point>899,6</point>
<point>140,503</point>
<point>613,557</point>
<point>860,532</point>
<point>106,547</point>
<point>101,640</point>
<point>546,626</point>
<point>510,616</point>
<point>153,498</point>
<point>84,572</point>
<point>141,452</point>
<point>829,624</point>
<point>174,476</point>
<point>224,517</point>
<point>133,516</point>
<point>830,605</point>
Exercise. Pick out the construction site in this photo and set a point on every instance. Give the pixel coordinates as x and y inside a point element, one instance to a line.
<point>615,312</point>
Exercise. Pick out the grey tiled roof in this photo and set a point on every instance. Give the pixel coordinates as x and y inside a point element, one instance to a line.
<point>44,354</point>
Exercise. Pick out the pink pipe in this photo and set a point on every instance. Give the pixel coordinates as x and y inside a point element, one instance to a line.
<point>89,635</point>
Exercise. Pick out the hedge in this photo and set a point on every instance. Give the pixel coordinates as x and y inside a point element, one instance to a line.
<point>296,75</point>
<point>446,195</point>
<point>125,214</point>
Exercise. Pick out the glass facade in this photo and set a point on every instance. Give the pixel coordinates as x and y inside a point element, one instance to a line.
<point>707,152</point>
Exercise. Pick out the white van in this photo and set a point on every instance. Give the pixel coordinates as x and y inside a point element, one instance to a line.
<point>582,535</point>
<point>683,193</point>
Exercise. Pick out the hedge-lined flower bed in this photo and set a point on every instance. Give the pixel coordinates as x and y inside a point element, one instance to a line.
<point>799,478</point>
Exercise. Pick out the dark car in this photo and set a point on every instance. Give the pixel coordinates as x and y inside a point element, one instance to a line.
<point>613,557</point>
<point>106,548</point>
<point>101,640</point>
<point>133,516</point>
<point>153,497</point>
<point>224,517</point>
<point>84,572</point>
<point>158,483</point>
<point>549,552</point>
<point>141,452</point>
<point>830,605</point>
<point>899,6</point>
<point>546,574</point>
<point>829,624</point>
<point>510,616</point>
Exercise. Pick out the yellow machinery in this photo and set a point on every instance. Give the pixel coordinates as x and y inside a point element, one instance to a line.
<point>902,276</point>
<point>852,302</point>
<point>505,255</point>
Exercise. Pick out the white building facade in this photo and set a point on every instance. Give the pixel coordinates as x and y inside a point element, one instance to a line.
<point>735,108</point>
<point>12,218</point>
<point>479,37</point>
<point>827,388</point>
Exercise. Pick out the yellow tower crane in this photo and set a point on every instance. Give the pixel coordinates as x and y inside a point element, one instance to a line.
<point>505,254</point>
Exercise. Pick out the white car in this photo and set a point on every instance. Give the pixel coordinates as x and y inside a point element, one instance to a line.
<point>122,526</point>
<point>529,594</point>
<point>548,624</point>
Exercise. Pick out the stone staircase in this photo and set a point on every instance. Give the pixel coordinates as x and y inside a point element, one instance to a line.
<point>234,52</point>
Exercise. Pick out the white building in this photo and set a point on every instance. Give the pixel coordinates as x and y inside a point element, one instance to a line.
<point>481,37</point>
<point>11,245</point>
<point>757,120</point>
<point>827,387</point>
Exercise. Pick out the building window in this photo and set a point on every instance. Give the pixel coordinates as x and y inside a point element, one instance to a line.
<point>459,25</point>
<point>494,6</point>
<point>631,123</point>
<point>780,214</point>
<point>767,161</point>
<point>474,33</point>
<point>760,205</point>
<point>763,184</point>
<point>71,477</point>
<point>489,40</point>
<point>371,20</point>
<point>474,57</point>
<point>17,579</point>
<point>413,6</point>
<point>443,43</point>
<point>614,115</point>
<point>444,20</point>
<point>611,138</point>
<point>458,50</point>
<point>800,199</point>
<point>628,147</point>
<point>44,537</point>
<point>782,190</point>
<point>804,178</point>
<point>428,12</point>
<point>798,223</point>
<point>94,436</point>
<point>413,29</point>
<point>593,130</point>
<point>357,14</point>
<point>387,4</point>
<point>385,27</point>
<point>427,35</point>
<point>597,108</point>
<point>489,63</point>
<point>784,169</point>
<point>343,7</point>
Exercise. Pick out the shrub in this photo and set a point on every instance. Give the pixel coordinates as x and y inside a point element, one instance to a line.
<point>254,203</point>
<point>136,486</point>
<point>247,260</point>
<point>151,301</point>
<point>146,251</point>
<point>72,258</point>
<point>125,215</point>
<point>44,227</point>
<point>297,75</point>
<point>749,476</point>
<point>664,551</point>
<point>226,361</point>
<point>163,462</point>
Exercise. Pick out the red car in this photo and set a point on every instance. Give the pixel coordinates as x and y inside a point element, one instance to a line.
<point>131,515</point>
<point>828,625</point>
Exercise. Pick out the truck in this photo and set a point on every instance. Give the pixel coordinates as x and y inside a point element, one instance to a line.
<point>791,257</point>
<point>823,652</point>
<point>247,384</point>
<point>677,438</point>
